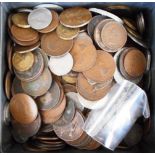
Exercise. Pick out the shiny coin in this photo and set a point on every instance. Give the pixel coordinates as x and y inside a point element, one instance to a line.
<point>61,65</point>
<point>8,82</point>
<point>69,88</point>
<point>75,17</point>
<point>39,86</point>
<point>58,47</point>
<point>20,20</point>
<point>9,54</point>
<point>23,61</point>
<point>23,108</point>
<point>66,33</point>
<point>27,10</point>
<point>104,68</point>
<point>130,23</point>
<point>50,99</point>
<point>39,18</point>
<point>53,25</point>
<point>72,131</point>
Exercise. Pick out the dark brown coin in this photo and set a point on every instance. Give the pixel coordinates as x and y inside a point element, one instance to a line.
<point>8,82</point>
<point>50,99</point>
<point>23,108</point>
<point>39,86</point>
<point>69,88</point>
<point>9,54</point>
<point>72,131</point>
<point>58,47</point>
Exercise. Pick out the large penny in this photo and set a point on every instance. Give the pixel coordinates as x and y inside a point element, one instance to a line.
<point>55,46</point>
<point>8,82</point>
<point>75,17</point>
<point>39,18</point>
<point>23,108</point>
<point>84,55</point>
<point>104,68</point>
<point>39,86</point>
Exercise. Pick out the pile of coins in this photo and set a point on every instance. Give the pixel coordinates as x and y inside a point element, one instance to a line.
<point>61,66</point>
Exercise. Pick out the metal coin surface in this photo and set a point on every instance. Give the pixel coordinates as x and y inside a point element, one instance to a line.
<point>46,128</point>
<point>75,17</point>
<point>141,23</point>
<point>27,10</point>
<point>85,37</point>
<point>61,65</point>
<point>72,131</point>
<point>23,108</point>
<point>118,7</point>
<point>39,86</point>
<point>130,23</point>
<point>50,99</point>
<point>8,82</point>
<point>58,47</point>
<point>69,79</point>
<point>9,54</point>
<point>39,18</point>
<point>69,88</point>
<point>20,20</point>
<point>6,114</point>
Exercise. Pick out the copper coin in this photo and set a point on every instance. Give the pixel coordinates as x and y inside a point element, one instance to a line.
<point>84,55</point>
<point>8,82</point>
<point>104,68</point>
<point>58,47</point>
<point>135,63</point>
<point>9,54</point>
<point>27,130</point>
<point>39,86</point>
<point>25,49</point>
<point>72,131</point>
<point>20,20</point>
<point>69,88</point>
<point>53,25</point>
<point>91,92</point>
<point>75,17</point>
<point>34,71</point>
<point>50,99</point>
<point>22,34</point>
<point>23,108</point>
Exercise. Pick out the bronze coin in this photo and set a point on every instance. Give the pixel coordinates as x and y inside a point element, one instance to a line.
<point>39,86</point>
<point>9,54</point>
<point>35,71</point>
<point>135,62</point>
<point>22,34</point>
<point>50,99</point>
<point>75,17</point>
<point>53,25</point>
<point>8,82</point>
<point>104,68</point>
<point>23,108</point>
<point>58,47</point>
<point>71,131</point>
<point>27,130</point>
<point>91,92</point>
<point>69,88</point>
<point>84,55</point>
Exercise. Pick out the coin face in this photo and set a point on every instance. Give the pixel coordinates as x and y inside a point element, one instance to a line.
<point>20,20</point>
<point>23,108</point>
<point>75,17</point>
<point>72,131</point>
<point>8,82</point>
<point>58,47</point>
<point>61,65</point>
<point>39,18</point>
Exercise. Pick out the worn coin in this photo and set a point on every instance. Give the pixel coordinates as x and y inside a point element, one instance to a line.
<point>39,18</point>
<point>8,82</point>
<point>75,17</point>
<point>23,108</point>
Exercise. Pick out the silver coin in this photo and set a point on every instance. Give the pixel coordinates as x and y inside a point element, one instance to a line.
<point>39,18</point>
<point>6,116</point>
<point>148,58</point>
<point>141,23</point>
<point>27,10</point>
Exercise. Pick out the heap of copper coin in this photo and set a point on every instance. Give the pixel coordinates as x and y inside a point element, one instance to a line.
<point>60,67</point>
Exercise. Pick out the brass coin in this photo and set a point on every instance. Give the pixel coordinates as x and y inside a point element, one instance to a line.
<point>58,47</point>
<point>39,86</point>
<point>23,61</point>
<point>23,108</point>
<point>9,54</point>
<point>66,33</point>
<point>22,34</point>
<point>53,25</point>
<point>104,68</point>
<point>75,17</point>
<point>20,20</point>
<point>69,88</point>
<point>130,23</point>
<point>8,82</point>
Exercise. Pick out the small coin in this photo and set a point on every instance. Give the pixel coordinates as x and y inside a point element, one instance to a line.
<point>39,18</point>
<point>23,108</point>
<point>39,86</point>
<point>9,54</point>
<point>8,82</point>
<point>66,33</point>
<point>61,65</point>
<point>130,23</point>
<point>69,88</point>
<point>50,99</point>
<point>58,47</point>
<point>75,17</point>
<point>53,25</point>
<point>20,20</point>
